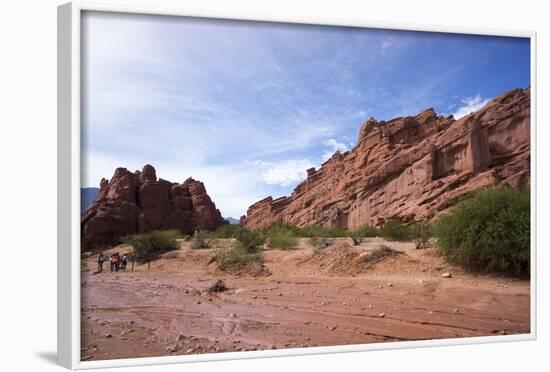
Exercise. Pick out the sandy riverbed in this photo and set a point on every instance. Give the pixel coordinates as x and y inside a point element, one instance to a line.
<point>303,302</point>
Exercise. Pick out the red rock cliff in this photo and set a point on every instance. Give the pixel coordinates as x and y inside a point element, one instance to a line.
<point>137,202</point>
<point>410,168</point>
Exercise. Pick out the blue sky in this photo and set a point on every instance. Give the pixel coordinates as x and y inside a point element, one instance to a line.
<point>248,107</point>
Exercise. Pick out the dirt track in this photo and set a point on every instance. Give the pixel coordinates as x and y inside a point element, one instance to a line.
<point>167,310</point>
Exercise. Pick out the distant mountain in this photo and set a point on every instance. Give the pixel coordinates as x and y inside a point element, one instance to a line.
<point>232,221</point>
<point>87,197</point>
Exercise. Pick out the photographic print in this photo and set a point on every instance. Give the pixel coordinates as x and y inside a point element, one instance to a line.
<point>252,185</point>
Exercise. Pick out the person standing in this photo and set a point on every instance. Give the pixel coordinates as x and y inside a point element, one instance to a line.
<point>124,262</point>
<point>116,261</point>
<point>100,261</point>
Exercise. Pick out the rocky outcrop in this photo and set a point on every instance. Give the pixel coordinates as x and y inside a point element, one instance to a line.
<point>137,202</point>
<point>410,168</point>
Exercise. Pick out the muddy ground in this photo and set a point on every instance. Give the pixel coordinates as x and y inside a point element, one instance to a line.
<point>305,300</point>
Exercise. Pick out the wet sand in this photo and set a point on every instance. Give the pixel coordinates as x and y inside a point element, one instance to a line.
<point>167,309</point>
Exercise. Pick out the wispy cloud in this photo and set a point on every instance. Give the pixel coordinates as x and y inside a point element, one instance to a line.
<point>284,173</point>
<point>208,98</point>
<point>386,44</point>
<point>334,146</point>
<point>470,104</point>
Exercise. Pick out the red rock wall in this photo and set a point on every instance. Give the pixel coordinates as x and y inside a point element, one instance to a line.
<point>137,202</point>
<point>410,168</point>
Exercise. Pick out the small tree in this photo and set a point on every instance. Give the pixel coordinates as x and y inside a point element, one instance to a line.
<point>490,231</point>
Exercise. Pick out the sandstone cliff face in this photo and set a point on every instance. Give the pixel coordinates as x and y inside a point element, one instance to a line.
<point>137,202</point>
<point>410,168</point>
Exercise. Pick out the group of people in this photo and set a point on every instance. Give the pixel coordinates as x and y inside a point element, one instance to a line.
<point>116,262</point>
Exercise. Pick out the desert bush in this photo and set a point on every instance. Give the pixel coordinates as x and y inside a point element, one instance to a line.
<point>395,230</point>
<point>225,232</point>
<point>421,232</point>
<point>314,231</point>
<point>282,240</point>
<point>148,246</point>
<point>281,236</point>
<point>366,231</point>
<point>338,232</point>
<point>490,231</point>
<point>318,231</point>
<point>250,241</point>
<point>200,240</point>
<point>235,255</point>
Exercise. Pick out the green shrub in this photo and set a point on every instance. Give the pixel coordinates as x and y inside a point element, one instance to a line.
<point>366,231</point>
<point>395,230</point>
<point>225,232</point>
<point>314,231</point>
<point>338,233</point>
<point>148,246</point>
<point>421,232</point>
<point>250,241</point>
<point>490,231</point>
<point>282,240</point>
<point>281,236</point>
<point>234,256</point>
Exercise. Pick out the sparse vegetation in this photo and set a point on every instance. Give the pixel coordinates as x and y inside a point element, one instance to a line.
<point>490,231</point>
<point>421,232</point>
<point>366,231</point>
<point>225,232</point>
<point>281,236</point>
<point>200,241</point>
<point>314,231</point>
<point>250,241</point>
<point>395,230</point>
<point>236,255</point>
<point>149,246</point>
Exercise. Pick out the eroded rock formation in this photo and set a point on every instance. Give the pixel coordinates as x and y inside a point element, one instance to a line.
<point>137,202</point>
<point>410,168</point>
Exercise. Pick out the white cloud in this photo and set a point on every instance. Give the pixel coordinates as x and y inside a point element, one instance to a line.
<point>286,172</point>
<point>335,146</point>
<point>471,104</point>
<point>386,44</point>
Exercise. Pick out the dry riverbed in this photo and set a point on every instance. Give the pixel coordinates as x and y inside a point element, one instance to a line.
<point>304,301</point>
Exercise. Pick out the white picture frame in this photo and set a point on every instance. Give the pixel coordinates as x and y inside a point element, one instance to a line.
<point>69,98</point>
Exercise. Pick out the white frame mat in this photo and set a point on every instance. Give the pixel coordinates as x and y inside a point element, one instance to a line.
<point>69,98</point>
